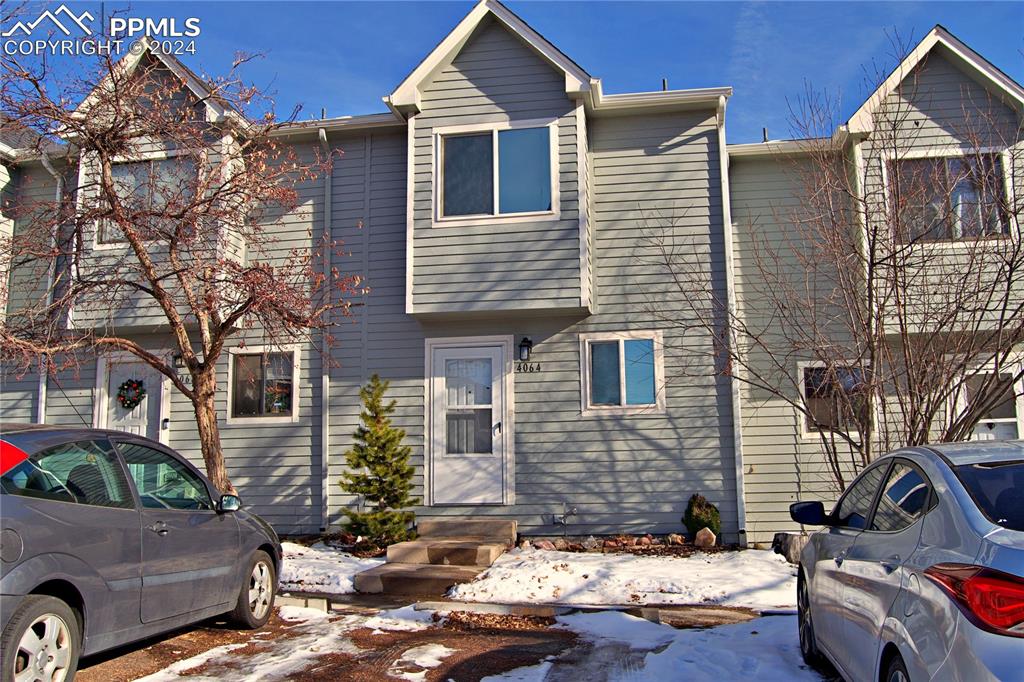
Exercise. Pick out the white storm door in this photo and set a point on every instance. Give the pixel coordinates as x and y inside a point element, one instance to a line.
<point>144,418</point>
<point>468,430</point>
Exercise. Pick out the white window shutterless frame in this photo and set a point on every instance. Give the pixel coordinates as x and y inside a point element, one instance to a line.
<point>469,422</point>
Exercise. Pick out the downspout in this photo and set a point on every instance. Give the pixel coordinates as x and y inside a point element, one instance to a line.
<point>51,274</point>
<point>325,372</point>
<point>730,288</point>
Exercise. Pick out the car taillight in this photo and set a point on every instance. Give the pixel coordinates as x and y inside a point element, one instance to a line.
<point>991,599</point>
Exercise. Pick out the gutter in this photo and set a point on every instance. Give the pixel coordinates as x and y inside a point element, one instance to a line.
<point>730,288</point>
<point>51,275</point>
<point>661,99</point>
<point>323,126</point>
<point>325,372</point>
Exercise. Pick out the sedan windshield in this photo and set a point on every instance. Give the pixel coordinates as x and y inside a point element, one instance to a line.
<point>998,490</point>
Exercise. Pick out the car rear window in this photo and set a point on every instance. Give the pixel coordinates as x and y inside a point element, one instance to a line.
<point>998,490</point>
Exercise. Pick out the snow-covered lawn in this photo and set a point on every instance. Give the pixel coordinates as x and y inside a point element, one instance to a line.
<point>320,568</point>
<point>751,578</point>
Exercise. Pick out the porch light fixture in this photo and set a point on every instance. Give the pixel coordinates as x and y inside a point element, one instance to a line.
<point>179,362</point>
<point>525,347</point>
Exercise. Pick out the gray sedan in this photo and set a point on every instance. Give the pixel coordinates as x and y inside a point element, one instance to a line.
<point>918,572</point>
<point>108,538</point>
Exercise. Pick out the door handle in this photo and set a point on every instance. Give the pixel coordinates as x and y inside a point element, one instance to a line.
<point>891,564</point>
<point>497,428</point>
<point>160,528</point>
<point>839,558</point>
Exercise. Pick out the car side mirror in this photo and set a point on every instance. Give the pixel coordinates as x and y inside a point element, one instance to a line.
<point>809,514</point>
<point>229,503</point>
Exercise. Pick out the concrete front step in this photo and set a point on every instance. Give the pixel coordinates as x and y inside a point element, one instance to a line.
<point>497,530</point>
<point>413,579</point>
<point>454,552</point>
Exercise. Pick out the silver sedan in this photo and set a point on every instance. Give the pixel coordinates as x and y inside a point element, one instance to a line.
<point>917,574</point>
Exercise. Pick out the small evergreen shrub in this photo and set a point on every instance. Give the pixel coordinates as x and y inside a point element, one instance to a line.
<point>701,513</point>
<point>379,471</point>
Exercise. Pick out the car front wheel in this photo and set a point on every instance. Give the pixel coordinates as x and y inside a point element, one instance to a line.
<point>256,597</point>
<point>41,641</point>
<point>896,671</point>
<point>808,643</point>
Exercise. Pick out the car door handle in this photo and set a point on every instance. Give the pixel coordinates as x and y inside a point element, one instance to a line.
<point>891,564</point>
<point>839,558</point>
<point>160,528</point>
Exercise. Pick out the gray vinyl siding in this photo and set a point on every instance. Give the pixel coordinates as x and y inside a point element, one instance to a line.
<point>622,473</point>
<point>938,107</point>
<point>780,464</point>
<point>29,185</point>
<point>499,266</point>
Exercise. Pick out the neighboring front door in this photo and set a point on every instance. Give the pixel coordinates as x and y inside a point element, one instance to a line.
<point>142,419</point>
<point>469,438</point>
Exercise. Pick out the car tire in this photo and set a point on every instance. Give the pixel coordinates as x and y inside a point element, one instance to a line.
<point>896,671</point>
<point>43,633</point>
<point>808,643</point>
<point>256,596</point>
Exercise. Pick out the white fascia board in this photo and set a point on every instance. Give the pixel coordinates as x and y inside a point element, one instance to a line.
<point>862,121</point>
<point>407,94</point>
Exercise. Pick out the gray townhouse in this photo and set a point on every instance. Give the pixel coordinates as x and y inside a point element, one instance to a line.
<point>497,214</point>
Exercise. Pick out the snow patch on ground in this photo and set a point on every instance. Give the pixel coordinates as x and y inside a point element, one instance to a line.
<point>761,649</point>
<point>406,619</point>
<point>751,578</point>
<point>426,656</point>
<point>174,671</point>
<point>534,673</point>
<point>320,569</point>
<point>638,633</point>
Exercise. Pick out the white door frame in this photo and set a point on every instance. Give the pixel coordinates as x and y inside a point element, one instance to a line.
<point>101,394</point>
<point>508,494</point>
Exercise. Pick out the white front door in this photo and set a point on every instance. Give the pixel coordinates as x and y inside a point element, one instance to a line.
<point>469,431</point>
<point>142,419</point>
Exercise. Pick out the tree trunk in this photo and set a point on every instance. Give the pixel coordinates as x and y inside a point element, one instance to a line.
<point>209,432</point>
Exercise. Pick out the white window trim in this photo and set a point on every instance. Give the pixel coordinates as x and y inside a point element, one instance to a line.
<point>949,152</point>
<point>437,220</point>
<point>156,155</point>
<point>959,403</point>
<point>802,417</point>
<point>587,339</point>
<point>296,351</point>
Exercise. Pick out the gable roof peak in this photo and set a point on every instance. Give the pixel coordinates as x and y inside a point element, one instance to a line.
<point>986,73</point>
<point>407,96</point>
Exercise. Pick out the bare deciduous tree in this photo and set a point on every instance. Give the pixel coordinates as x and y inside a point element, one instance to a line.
<point>174,193</point>
<point>882,299</point>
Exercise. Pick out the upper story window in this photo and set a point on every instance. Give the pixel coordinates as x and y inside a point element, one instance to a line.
<point>153,186</point>
<point>834,397</point>
<point>263,385</point>
<point>496,172</point>
<point>622,372</point>
<point>950,197</point>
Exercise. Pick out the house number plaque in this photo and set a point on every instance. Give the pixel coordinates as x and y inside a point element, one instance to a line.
<point>527,367</point>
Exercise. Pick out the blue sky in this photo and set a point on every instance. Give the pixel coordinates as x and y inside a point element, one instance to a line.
<point>343,56</point>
